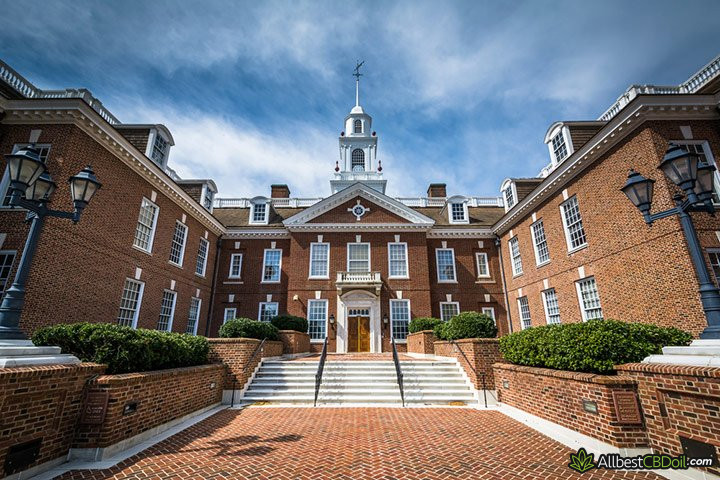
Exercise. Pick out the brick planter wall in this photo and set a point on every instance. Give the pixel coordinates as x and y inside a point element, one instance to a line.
<point>480,356</point>
<point>557,396</point>
<point>42,403</point>
<point>295,342</point>
<point>160,397</point>
<point>235,353</point>
<point>678,401</point>
<point>421,342</point>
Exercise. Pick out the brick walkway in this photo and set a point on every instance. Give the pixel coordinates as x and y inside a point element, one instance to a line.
<point>353,444</point>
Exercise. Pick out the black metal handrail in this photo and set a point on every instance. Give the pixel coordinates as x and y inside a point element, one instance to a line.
<point>482,375</point>
<point>258,349</point>
<point>319,374</point>
<point>398,371</point>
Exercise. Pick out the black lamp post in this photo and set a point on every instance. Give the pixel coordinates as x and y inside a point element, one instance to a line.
<point>31,188</point>
<point>696,181</point>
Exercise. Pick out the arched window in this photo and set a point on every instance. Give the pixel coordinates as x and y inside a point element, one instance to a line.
<point>358,126</point>
<point>358,160</point>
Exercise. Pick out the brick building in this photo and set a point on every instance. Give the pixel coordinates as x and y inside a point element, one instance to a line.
<point>156,251</point>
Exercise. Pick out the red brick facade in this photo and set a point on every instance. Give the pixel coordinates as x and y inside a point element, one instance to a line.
<point>477,357</point>
<point>421,342</point>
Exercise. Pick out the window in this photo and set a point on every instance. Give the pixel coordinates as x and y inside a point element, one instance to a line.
<point>552,309</point>
<point>208,197</point>
<point>445,258</point>
<point>317,319</point>
<point>235,265</point>
<point>319,260</point>
<point>358,160</point>
<point>167,311</point>
<point>589,299</point>
<point>43,151</point>
<point>489,311</point>
<point>559,148</point>
<point>483,269</point>
<point>572,221</point>
<point>399,318</point>
<point>357,126</point>
<point>160,150</point>
<point>272,260</point>
<point>458,212</point>
<point>542,254</point>
<point>714,263</point>
<point>7,258</point>
<point>130,303</point>
<point>524,309</point>
<point>702,149</point>
<point>259,213</point>
<point>177,247</point>
<point>509,197</point>
<point>229,314</point>
<point>201,263</point>
<point>397,260</point>
<point>448,310</point>
<point>515,258</point>
<point>193,316</point>
<point>358,257</point>
<point>145,230</point>
<point>268,311</point>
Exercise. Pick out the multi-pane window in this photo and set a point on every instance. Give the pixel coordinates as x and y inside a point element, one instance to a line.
<point>177,246</point>
<point>448,310</point>
<point>229,314</point>
<point>317,319</point>
<point>524,309</point>
<point>235,265</point>
<point>268,311</point>
<point>201,263</point>
<point>445,258</point>
<point>399,318</point>
<point>701,148</point>
<point>357,126</point>
<point>130,303</point>
<point>358,160</point>
<point>489,311</point>
<point>145,230</point>
<point>458,213</point>
<point>509,197</point>
<point>208,198</point>
<point>43,151</point>
<point>589,298</point>
<point>167,311</point>
<point>559,147</point>
<point>193,316</point>
<point>574,232</point>
<point>7,259</point>
<point>358,257</point>
<point>515,258</point>
<point>319,260</point>
<point>552,309</point>
<point>397,260</point>
<point>259,213</point>
<point>542,254</point>
<point>271,265</point>
<point>715,263</point>
<point>483,269</point>
<point>159,150</point>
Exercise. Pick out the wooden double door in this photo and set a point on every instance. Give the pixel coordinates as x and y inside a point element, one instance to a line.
<point>359,334</point>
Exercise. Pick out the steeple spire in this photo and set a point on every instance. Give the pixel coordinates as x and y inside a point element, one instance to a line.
<point>357,76</point>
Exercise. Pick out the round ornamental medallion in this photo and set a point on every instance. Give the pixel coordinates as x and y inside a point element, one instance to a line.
<point>358,210</point>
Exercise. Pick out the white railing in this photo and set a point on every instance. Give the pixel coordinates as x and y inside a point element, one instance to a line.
<point>359,176</point>
<point>359,278</point>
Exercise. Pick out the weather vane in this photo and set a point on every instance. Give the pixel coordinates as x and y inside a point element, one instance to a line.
<point>357,73</point>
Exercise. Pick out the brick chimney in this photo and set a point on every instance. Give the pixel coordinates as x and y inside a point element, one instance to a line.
<point>279,191</point>
<point>437,190</point>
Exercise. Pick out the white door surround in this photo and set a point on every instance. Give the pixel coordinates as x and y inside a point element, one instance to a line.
<point>359,299</point>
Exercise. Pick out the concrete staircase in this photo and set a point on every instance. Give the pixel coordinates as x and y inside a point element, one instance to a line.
<point>361,382</point>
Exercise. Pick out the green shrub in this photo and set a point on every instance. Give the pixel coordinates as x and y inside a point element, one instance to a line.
<point>592,346</point>
<point>466,325</point>
<point>124,349</point>
<point>290,322</point>
<point>246,328</point>
<point>423,323</point>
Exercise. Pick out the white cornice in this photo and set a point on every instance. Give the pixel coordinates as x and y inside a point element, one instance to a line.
<point>461,233</point>
<point>257,233</point>
<point>80,114</point>
<point>357,227</point>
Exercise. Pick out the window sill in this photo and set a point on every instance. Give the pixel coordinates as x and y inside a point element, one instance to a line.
<point>400,341</point>
<point>146,252</point>
<point>485,280</point>
<point>240,282</point>
<point>447,281</point>
<point>577,249</point>
<point>198,275</point>
<point>178,265</point>
<point>538,265</point>
<point>516,275</point>
<point>319,278</point>
<point>271,282</point>
<point>398,278</point>
<point>317,341</point>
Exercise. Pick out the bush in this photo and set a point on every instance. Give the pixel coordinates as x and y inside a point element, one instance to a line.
<point>246,328</point>
<point>466,325</point>
<point>423,323</point>
<point>290,322</point>
<point>124,349</point>
<point>593,346</point>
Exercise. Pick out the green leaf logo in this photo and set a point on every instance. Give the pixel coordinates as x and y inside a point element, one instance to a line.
<point>582,461</point>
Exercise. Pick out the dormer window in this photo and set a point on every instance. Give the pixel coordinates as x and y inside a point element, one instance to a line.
<point>457,210</point>
<point>558,141</point>
<point>559,147</point>
<point>208,197</point>
<point>508,193</point>
<point>357,126</point>
<point>160,150</point>
<point>358,160</point>
<point>259,212</point>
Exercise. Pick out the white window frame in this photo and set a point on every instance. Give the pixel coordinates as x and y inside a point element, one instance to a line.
<point>710,253</point>
<point>568,240</point>
<point>437,265</point>
<point>490,312</point>
<point>457,305</point>
<point>466,217</point>
<point>327,309</point>
<point>520,312</point>
<point>136,314</point>
<point>563,130</point>
<point>225,314</point>
<point>369,250</point>
<point>708,155</point>
<point>544,294</point>
<point>326,276</point>
<point>182,247</point>
<point>205,258</point>
<point>232,265</point>
<point>536,246</point>
<point>279,275</point>
<point>264,221</point>
<point>153,229</point>
<point>197,316</point>
<point>517,266</point>
<point>392,320</point>
<point>171,317</point>
<point>508,184</point>
<point>581,304</point>
<point>407,267</point>
<point>487,265</point>
<point>5,182</point>
<point>260,310</point>
<point>4,285</point>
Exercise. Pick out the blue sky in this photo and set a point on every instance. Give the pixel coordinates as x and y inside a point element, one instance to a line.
<point>255,92</point>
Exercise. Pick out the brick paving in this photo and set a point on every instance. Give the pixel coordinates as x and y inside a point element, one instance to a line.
<point>354,443</point>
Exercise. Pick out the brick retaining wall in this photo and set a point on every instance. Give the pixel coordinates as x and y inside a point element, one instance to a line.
<point>294,342</point>
<point>235,354</point>
<point>421,342</point>
<point>480,356</point>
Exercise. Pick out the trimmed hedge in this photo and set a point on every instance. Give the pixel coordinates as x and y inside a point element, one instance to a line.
<point>423,323</point>
<point>595,346</point>
<point>124,349</point>
<point>466,325</point>
<point>290,322</point>
<point>246,328</point>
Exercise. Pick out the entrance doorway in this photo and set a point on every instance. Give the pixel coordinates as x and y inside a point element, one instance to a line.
<point>358,330</point>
